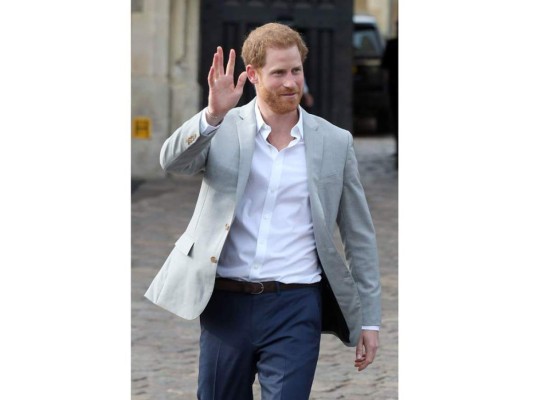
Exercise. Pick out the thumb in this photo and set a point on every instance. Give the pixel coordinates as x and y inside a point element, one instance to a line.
<point>359,349</point>
<point>241,81</point>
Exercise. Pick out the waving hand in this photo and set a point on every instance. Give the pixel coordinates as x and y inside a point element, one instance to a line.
<point>223,93</point>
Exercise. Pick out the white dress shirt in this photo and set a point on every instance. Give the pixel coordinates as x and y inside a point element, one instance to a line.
<point>271,238</point>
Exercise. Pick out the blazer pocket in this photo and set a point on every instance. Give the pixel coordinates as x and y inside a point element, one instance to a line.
<point>184,244</point>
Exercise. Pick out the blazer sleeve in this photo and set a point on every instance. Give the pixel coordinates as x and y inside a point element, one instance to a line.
<point>186,150</point>
<point>359,240</point>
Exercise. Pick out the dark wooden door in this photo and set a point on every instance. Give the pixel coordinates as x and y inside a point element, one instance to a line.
<point>326,26</point>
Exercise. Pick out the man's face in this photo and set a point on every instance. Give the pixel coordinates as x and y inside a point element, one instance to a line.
<point>280,81</point>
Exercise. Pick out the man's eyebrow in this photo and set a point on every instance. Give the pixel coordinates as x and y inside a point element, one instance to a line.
<point>285,69</point>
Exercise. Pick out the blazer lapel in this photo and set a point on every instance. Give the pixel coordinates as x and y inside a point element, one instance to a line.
<point>314,150</point>
<point>246,131</point>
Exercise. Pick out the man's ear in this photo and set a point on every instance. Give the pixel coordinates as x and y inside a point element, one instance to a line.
<point>252,74</point>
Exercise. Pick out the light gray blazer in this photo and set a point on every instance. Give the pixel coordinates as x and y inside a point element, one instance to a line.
<point>351,290</point>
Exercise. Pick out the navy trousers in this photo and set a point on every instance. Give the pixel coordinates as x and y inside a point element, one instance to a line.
<point>274,335</point>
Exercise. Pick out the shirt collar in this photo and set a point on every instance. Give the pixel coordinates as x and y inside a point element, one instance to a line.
<point>262,128</point>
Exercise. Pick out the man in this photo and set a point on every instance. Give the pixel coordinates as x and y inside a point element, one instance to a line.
<point>257,261</point>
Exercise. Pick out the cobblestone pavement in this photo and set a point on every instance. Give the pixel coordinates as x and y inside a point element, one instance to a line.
<point>165,347</point>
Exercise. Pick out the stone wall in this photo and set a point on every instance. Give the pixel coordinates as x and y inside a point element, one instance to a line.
<point>164,59</point>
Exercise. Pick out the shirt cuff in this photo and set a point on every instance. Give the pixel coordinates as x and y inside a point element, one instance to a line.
<point>370,328</point>
<point>205,128</point>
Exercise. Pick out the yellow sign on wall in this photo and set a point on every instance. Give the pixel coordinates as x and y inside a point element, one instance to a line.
<point>141,128</point>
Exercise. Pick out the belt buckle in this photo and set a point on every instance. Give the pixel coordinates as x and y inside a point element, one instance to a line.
<point>262,288</point>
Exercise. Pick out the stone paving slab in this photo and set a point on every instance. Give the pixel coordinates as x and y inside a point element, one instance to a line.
<point>165,347</point>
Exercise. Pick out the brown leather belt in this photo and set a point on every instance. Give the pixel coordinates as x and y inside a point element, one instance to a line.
<point>231,285</point>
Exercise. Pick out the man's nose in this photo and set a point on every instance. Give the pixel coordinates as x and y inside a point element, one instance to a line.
<point>290,82</point>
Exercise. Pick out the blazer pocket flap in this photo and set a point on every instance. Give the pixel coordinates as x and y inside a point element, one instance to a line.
<point>184,244</point>
<point>331,177</point>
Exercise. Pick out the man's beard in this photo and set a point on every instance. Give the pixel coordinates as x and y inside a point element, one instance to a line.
<point>278,103</point>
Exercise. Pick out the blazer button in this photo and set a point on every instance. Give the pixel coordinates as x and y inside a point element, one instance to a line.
<point>191,139</point>
<point>214,260</point>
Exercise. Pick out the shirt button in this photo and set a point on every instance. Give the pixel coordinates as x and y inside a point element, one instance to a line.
<point>227,227</point>
<point>214,260</point>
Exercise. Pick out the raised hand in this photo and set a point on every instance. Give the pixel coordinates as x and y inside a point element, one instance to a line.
<point>223,93</point>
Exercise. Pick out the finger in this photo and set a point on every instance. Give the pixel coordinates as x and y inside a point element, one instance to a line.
<point>360,363</point>
<point>215,66</point>
<point>360,355</point>
<point>231,63</point>
<point>220,55</point>
<point>359,351</point>
<point>363,365</point>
